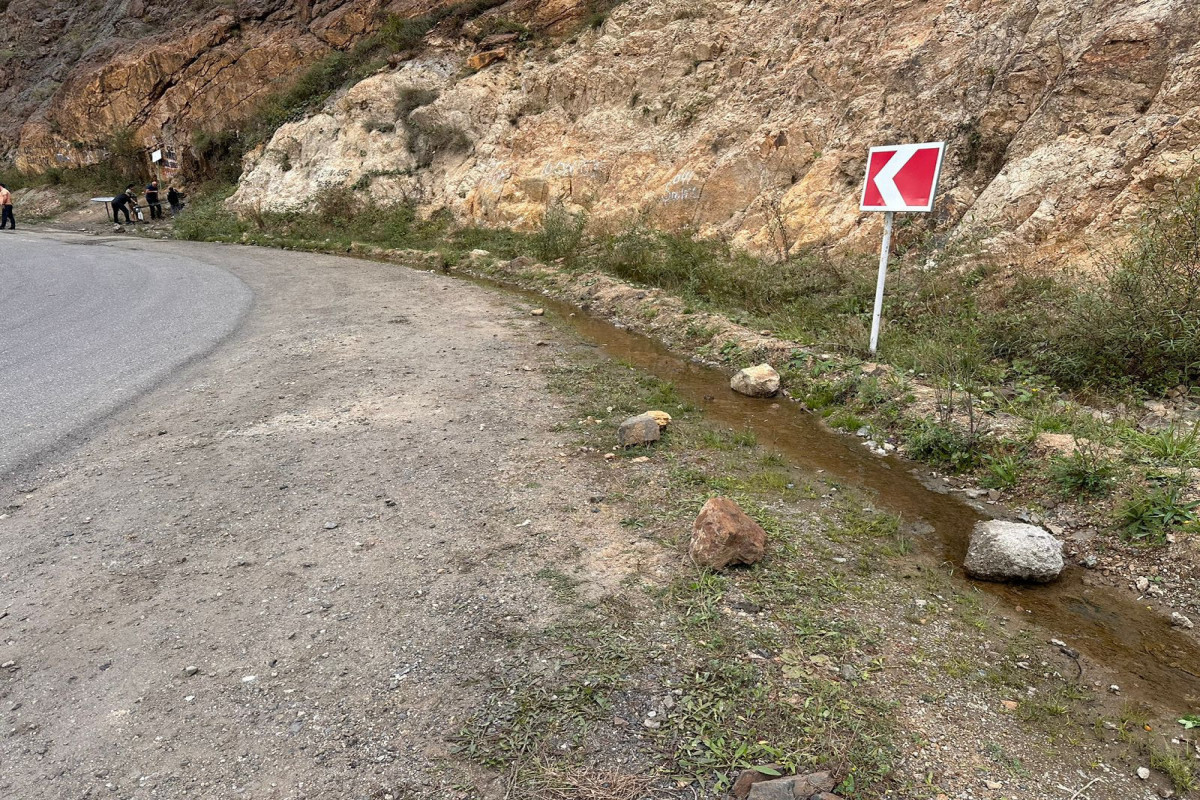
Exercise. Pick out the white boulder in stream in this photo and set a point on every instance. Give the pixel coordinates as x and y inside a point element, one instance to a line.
<point>1013,551</point>
<point>760,381</point>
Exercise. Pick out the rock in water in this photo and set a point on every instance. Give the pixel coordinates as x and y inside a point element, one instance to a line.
<point>1013,551</point>
<point>641,429</point>
<point>723,534</point>
<point>760,381</point>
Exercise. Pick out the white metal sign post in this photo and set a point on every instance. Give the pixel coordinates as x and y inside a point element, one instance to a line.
<point>900,177</point>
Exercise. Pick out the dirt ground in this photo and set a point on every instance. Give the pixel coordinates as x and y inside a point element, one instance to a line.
<point>327,519</point>
<point>371,548</point>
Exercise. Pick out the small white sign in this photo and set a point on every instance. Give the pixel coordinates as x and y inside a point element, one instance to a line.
<point>156,156</point>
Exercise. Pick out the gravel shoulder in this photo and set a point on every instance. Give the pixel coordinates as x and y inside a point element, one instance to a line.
<point>324,518</point>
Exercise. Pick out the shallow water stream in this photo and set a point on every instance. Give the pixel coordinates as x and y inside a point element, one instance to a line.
<point>1150,660</point>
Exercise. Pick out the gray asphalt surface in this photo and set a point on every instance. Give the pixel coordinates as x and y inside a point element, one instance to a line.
<point>87,324</point>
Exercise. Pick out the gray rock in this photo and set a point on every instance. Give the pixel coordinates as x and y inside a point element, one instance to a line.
<point>793,787</point>
<point>641,429</point>
<point>759,381</point>
<point>1013,551</point>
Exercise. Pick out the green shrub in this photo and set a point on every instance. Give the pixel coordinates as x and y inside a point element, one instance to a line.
<point>1150,514</point>
<point>1084,472</point>
<point>1141,325</point>
<point>560,235</point>
<point>1172,445</point>
<point>205,219</point>
<point>943,445</point>
<point>846,420</point>
<point>1003,472</point>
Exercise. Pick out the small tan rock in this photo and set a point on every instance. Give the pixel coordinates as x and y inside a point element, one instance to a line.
<point>538,312</point>
<point>723,534</point>
<point>661,417</point>
<point>486,58</point>
<point>758,381</point>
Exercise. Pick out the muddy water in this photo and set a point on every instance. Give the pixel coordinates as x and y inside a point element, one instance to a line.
<point>1151,661</point>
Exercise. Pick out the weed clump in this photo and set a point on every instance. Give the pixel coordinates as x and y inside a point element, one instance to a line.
<point>1141,325</point>
<point>943,445</point>
<point>1085,472</point>
<point>560,235</point>
<point>1151,513</point>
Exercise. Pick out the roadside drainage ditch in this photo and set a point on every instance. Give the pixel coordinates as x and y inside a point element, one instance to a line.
<point>1149,660</point>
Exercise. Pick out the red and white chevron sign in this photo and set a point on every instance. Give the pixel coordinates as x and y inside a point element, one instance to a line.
<point>902,177</point>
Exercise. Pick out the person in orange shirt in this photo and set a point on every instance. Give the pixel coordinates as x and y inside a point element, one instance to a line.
<point>6,202</point>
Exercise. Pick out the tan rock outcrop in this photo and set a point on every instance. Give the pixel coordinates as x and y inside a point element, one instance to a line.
<point>744,120</point>
<point>753,120</point>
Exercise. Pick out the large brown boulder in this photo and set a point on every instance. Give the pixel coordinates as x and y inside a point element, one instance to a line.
<point>723,534</point>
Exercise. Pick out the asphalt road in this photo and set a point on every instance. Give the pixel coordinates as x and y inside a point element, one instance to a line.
<point>85,327</point>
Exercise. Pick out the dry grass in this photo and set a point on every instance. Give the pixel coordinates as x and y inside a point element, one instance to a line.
<point>589,783</point>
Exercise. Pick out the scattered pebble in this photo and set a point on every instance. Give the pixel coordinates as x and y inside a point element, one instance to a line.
<point>1143,773</point>
<point>330,525</point>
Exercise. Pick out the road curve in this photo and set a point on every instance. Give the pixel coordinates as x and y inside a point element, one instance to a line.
<point>85,328</point>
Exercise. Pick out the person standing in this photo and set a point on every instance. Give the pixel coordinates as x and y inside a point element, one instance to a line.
<point>122,202</point>
<point>152,200</point>
<point>175,199</point>
<point>6,212</point>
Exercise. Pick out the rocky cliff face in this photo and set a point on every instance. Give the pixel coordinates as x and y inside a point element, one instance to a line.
<point>752,120</point>
<point>73,74</point>
<point>742,118</point>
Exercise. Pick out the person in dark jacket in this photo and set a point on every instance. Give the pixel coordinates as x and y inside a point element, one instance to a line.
<point>175,199</point>
<point>152,200</point>
<point>123,201</point>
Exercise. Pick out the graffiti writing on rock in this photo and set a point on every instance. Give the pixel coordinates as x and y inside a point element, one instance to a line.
<point>681,188</point>
<point>586,168</point>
